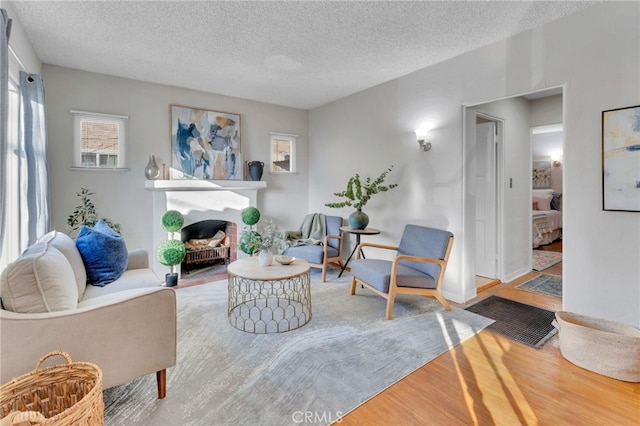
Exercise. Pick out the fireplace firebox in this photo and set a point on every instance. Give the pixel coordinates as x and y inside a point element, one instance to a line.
<point>208,242</point>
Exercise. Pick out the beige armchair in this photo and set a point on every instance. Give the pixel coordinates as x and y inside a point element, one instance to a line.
<point>127,328</point>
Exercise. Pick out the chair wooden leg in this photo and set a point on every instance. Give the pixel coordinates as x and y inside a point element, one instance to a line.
<point>161,377</point>
<point>324,272</point>
<point>353,285</point>
<point>390,301</point>
<point>444,301</point>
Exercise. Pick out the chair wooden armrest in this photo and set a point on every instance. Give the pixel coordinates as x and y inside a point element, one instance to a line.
<point>419,259</point>
<point>373,245</point>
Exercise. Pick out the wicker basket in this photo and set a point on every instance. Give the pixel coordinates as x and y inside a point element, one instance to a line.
<point>602,346</point>
<point>64,394</point>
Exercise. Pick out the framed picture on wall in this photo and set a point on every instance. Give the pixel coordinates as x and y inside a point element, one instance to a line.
<point>205,144</point>
<point>621,159</point>
<point>283,153</point>
<point>541,174</point>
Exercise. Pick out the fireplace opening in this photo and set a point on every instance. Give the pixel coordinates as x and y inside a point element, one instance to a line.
<point>209,244</point>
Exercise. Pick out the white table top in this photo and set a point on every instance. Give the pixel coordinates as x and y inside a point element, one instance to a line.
<point>249,268</point>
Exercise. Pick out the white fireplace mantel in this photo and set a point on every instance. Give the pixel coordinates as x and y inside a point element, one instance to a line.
<point>200,200</point>
<point>203,185</point>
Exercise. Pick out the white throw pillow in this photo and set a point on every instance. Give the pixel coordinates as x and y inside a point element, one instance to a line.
<point>41,280</point>
<point>67,246</point>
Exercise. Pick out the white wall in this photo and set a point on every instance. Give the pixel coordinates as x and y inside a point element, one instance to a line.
<point>120,196</point>
<point>595,53</point>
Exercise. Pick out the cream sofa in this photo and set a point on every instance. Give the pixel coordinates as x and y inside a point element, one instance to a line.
<point>127,327</point>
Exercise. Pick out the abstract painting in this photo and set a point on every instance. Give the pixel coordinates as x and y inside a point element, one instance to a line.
<point>205,144</point>
<point>621,159</point>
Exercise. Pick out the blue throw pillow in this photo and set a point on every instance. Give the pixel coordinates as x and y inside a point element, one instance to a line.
<point>103,252</point>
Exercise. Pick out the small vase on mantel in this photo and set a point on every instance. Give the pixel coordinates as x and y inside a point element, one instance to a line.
<point>152,171</point>
<point>358,220</point>
<point>255,170</point>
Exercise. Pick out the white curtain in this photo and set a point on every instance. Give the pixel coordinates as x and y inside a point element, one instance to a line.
<point>34,181</point>
<point>5,30</point>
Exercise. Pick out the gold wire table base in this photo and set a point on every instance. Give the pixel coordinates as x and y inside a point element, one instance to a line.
<point>269,305</point>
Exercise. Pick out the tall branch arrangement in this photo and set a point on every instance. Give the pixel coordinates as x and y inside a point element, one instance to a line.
<point>359,193</point>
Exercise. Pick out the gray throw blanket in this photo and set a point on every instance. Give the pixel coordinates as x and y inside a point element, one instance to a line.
<point>312,231</point>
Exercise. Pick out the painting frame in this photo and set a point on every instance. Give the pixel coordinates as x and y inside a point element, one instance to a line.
<point>621,159</point>
<point>205,144</point>
<point>541,175</point>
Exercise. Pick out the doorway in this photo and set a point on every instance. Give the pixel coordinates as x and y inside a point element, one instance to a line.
<point>513,177</point>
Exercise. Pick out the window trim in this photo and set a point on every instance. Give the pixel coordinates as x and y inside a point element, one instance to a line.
<point>123,127</point>
<point>293,139</point>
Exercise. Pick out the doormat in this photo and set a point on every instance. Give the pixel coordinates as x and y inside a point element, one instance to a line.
<point>517,321</point>
<point>544,284</point>
<point>543,259</point>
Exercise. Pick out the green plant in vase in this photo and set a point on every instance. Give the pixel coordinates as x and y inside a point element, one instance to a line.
<point>171,252</point>
<point>357,195</point>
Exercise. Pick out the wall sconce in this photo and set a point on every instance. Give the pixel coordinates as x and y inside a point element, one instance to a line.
<point>421,135</point>
<point>556,160</point>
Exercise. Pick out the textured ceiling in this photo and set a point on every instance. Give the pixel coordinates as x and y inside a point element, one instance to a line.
<point>298,54</point>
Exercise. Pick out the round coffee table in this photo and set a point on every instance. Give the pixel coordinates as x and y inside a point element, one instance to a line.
<point>269,299</point>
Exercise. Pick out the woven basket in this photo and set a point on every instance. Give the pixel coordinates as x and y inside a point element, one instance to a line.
<point>602,346</point>
<point>64,394</point>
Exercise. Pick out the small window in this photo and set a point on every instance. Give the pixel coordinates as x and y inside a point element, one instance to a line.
<point>99,140</point>
<point>283,153</point>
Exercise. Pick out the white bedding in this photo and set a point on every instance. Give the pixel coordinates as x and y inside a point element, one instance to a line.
<point>547,226</point>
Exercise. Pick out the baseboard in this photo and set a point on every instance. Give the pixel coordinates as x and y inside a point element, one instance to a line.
<point>516,274</point>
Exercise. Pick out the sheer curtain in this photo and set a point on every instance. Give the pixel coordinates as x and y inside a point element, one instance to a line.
<point>23,156</point>
<point>5,30</point>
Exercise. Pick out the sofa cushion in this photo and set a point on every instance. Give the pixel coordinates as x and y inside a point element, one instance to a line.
<point>68,248</point>
<point>103,252</point>
<point>40,280</point>
<point>131,279</point>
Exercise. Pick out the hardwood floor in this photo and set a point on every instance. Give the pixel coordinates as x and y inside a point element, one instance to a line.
<point>492,380</point>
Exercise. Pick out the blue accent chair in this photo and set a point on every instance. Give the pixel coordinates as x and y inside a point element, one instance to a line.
<point>328,253</point>
<point>418,268</point>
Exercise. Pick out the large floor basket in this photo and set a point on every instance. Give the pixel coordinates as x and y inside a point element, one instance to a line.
<point>64,394</point>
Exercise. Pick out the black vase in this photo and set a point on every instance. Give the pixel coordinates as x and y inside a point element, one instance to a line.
<point>171,279</point>
<point>255,169</point>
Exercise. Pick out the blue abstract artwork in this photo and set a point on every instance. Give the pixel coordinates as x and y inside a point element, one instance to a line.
<point>205,144</point>
<point>621,159</point>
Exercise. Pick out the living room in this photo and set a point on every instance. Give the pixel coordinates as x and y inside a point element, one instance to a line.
<point>593,55</point>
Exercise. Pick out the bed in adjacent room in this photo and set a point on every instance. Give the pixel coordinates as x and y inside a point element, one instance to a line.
<point>546,217</point>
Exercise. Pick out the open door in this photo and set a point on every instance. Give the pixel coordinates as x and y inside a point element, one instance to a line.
<point>486,198</point>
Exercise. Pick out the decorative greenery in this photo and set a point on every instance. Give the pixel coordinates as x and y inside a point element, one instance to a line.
<point>358,193</point>
<point>252,241</point>
<point>85,214</point>
<point>250,216</point>
<point>171,252</point>
<point>172,220</point>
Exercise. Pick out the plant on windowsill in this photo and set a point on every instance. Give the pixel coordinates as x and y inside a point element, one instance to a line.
<point>358,194</point>
<point>171,252</point>
<point>85,214</point>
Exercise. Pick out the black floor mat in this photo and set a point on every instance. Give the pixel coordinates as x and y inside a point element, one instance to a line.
<point>522,323</point>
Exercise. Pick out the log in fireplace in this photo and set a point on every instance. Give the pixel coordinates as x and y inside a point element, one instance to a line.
<point>208,242</point>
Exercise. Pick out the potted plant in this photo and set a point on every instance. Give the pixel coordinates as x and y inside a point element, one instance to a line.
<point>273,241</point>
<point>250,239</point>
<point>358,194</point>
<point>85,214</point>
<point>171,252</point>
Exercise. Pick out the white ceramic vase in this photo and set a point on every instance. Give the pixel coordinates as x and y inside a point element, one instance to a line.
<point>265,258</point>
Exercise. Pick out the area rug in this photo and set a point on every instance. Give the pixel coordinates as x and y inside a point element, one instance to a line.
<point>523,323</point>
<point>345,355</point>
<point>544,284</point>
<point>543,259</point>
